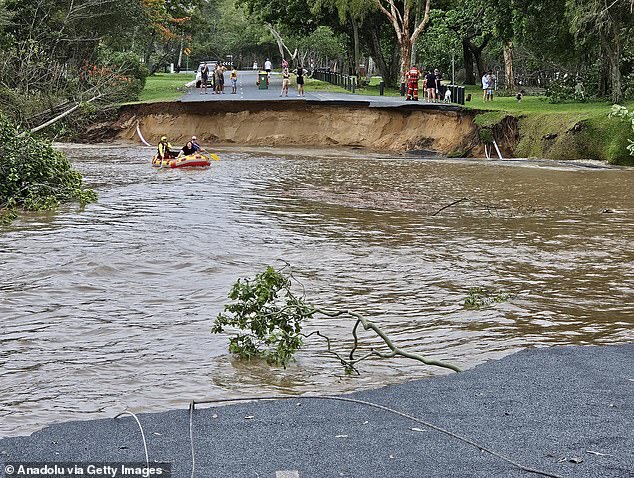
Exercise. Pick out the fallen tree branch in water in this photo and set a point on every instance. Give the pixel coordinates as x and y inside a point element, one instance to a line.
<point>466,199</point>
<point>395,351</point>
<point>270,317</point>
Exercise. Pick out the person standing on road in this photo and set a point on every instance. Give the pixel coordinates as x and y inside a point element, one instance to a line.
<point>430,81</point>
<point>286,80</point>
<point>234,81</point>
<point>217,73</point>
<point>412,84</point>
<point>439,89</point>
<point>268,67</point>
<point>204,77</point>
<point>300,80</point>
<point>223,68</point>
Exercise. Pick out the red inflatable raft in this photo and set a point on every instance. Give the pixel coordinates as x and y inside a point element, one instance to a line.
<point>190,161</point>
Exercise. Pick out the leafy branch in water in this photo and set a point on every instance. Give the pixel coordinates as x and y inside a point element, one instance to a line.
<point>268,316</point>
<point>34,176</point>
<point>269,319</point>
<point>479,297</point>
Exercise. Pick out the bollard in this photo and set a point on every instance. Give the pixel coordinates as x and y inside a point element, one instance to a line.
<point>354,84</point>
<point>460,95</point>
<point>381,87</point>
<point>403,88</point>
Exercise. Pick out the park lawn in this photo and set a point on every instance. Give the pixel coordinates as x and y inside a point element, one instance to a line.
<point>535,104</point>
<point>311,84</point>
<point>165,87</point>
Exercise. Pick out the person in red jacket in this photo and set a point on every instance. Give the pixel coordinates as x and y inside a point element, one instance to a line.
<point>412,84</point>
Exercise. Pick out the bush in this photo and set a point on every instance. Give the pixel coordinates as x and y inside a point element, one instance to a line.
<point>268,316</point>
<point>125,70</point>
<point>34,176</point>
<point>565,88</point>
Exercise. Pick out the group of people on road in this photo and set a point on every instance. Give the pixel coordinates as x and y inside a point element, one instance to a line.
<point>433,89</point>
<point>217,79</point>
<point>286,79</point>
<point>164,148</point>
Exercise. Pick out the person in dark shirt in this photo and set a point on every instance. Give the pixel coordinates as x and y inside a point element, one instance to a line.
<point>430,86</point>
<point>439,88</point>
<point>187,149</point>
<point>300,80</point>
<point>204,78</point>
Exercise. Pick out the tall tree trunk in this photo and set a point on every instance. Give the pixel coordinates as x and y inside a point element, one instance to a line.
<point>386,69</point>
<point>477,55</point>
<point>509,77</point>
<point>419,12</point>
<point>355,37</point>
<point>604,74</point>
<point>476,51</point>
<point>613,50</point>
<point>467,57</point>
<point>406,56</point>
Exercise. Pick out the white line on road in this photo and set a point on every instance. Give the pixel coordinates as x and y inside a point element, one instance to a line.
<point>287,474</point>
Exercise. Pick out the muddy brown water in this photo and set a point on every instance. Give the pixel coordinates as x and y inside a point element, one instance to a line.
<point>111,307</point>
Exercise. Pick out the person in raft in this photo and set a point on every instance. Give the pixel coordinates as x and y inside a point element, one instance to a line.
<point>187,149</point>
<point>164,149</point>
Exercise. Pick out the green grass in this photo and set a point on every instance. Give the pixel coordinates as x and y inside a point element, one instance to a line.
<point>372,89</point>
<point>311,84</point>
<point>535,104</point>
<point>165,87</point>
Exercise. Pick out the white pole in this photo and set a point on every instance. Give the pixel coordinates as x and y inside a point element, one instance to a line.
<point>498,150</point>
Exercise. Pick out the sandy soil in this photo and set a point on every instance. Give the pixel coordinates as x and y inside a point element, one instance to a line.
<point>266,123</point>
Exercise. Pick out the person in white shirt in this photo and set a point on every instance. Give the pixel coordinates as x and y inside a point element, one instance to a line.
<point>267,67</point>
<point>485,85</point>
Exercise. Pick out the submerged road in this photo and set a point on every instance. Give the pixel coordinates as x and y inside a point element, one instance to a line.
<point>558,412</point>
<point>248,90</point>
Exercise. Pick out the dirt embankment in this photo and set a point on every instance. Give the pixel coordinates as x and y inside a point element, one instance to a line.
<point>273,123</point>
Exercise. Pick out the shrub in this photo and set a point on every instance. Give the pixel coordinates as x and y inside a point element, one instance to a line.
<point>565,88</point>
<point>34,176</point>
<point>268,316</point>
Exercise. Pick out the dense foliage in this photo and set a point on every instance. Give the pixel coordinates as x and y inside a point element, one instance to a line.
<point>34,176</point>
<point>58,54</point>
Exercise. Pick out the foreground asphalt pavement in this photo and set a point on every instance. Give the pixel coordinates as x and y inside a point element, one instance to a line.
<point>249,91</point>
<point>562,411</point>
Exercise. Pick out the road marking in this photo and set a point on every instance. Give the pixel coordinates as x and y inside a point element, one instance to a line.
<point>287,474</point>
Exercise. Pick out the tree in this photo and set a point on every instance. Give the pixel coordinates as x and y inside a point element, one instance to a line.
<point>610,23</point>
<point>400,19</point>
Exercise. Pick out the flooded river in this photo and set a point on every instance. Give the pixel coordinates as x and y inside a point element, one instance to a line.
<point>111,307</point>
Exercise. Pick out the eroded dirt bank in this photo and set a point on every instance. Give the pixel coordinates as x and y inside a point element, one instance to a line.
<point>271,123</point>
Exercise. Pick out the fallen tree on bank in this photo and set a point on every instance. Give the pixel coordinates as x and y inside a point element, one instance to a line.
<point>34,176</point>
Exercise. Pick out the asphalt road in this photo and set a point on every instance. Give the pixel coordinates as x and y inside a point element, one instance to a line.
<point>560,411</point>
<point>249,91</point>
